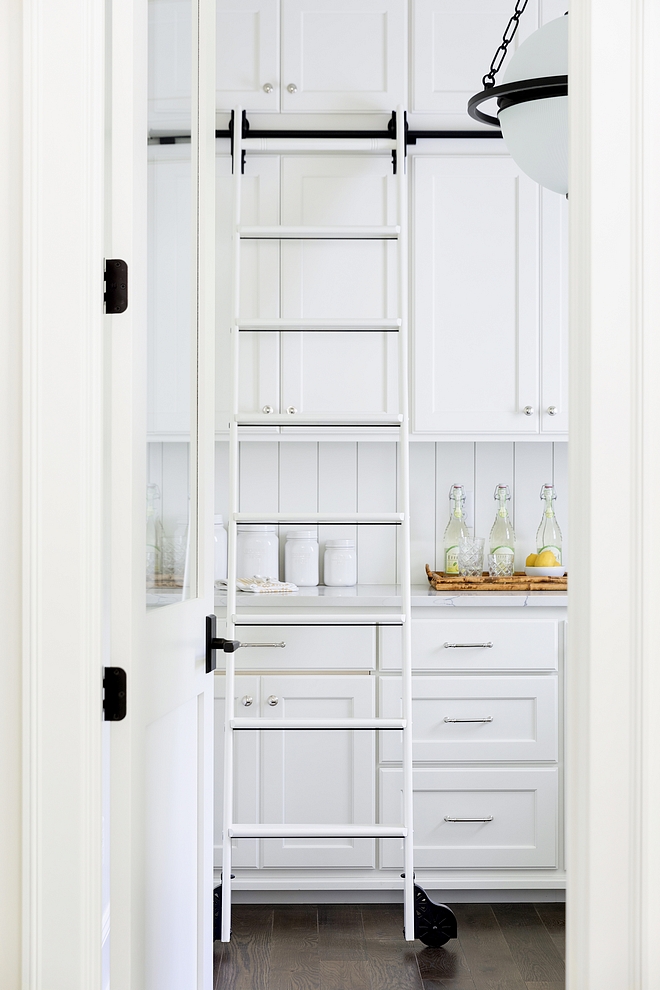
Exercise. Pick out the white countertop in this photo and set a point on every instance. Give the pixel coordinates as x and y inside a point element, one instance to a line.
<point>388,596</point>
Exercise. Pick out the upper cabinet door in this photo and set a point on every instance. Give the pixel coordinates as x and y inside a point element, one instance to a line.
<point>554,313</point>
<point>343,55</point>
<point>248,64</point>
<point>475,295</point>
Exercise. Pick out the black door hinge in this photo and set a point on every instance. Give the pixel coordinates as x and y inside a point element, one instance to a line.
<point>115,276</point>
<point>114,694</point>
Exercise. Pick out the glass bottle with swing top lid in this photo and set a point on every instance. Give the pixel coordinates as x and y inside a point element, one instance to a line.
<point>456,528</point>
<point>548,535</point>
<point>502,535</point>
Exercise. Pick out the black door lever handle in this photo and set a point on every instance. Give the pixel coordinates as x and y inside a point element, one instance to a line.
<point>213,643</point>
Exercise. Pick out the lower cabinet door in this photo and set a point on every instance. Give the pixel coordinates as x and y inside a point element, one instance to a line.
<point>315,776</point>
<point>246,776</point>
<point>489,719</point>
<point>469,819</point>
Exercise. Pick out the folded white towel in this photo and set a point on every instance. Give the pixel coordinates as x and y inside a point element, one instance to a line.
<point>259,585</point>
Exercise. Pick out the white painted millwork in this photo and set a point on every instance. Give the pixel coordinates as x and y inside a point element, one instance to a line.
<point>476,719</point>
<point>476,644</point>
<point>511,817</point>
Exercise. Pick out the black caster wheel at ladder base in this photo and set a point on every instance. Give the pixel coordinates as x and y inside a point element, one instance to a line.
<point>435,923</point>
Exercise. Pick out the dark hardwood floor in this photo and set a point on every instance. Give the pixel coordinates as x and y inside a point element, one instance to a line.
<point>361,947</point>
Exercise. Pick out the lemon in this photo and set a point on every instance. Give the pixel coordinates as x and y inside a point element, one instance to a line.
<point>547,559</point>
<point>531,560</point>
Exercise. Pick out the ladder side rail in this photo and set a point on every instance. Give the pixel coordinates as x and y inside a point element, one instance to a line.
<point>404,541</point>
<point>228,783</point>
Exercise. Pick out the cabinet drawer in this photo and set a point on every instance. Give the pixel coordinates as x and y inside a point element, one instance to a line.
<point>316,648</point>
<point>519,808</point>
<point>480,644</point>
<point>475,718</point>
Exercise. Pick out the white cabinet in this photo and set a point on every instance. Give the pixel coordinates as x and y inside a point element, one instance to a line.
<point>554,313</point>
<point>318,776</point>
<point>343,55</point>
<point>498,818</point>
<point>475,719</point>
<point>482,253</point>
<point>452,46</point>
<point>295,55</point>
<point>302,777</point>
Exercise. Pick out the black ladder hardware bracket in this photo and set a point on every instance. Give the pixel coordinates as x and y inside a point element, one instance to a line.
<point>115,277</point>
<point>213,644</point>
<point>114,694</point>
<point>217,911</point>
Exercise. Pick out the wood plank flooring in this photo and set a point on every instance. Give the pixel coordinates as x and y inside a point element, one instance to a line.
<point>361,947</point>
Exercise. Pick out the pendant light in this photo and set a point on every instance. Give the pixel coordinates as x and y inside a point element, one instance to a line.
<point>532,100</point>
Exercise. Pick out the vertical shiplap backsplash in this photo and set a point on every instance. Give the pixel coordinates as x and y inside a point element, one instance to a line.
<point>361,477</point>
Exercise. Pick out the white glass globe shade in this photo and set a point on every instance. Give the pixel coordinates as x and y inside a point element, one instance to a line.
<point>536,132</point>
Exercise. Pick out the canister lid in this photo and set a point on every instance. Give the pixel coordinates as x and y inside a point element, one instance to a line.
<point>340,543</point>
<point>244,528</point>
<point>301,534</point>
<point>218,520</point>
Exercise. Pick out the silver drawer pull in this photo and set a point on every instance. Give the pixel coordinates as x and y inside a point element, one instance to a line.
<point>252,646</point>
<point>449,819</point>
<point>468,646</point>
<point>489,718</point>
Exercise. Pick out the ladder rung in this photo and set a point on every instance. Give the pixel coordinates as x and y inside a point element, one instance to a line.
<point>318,419</point>
<point>319,325</point>
<point>320,233</point>
<point>318,723</point>
<point>317,619</point>
<point>322,518</point>
<point>317,831</point>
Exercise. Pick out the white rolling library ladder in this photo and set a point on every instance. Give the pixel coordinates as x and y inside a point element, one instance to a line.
<point>421,917</point>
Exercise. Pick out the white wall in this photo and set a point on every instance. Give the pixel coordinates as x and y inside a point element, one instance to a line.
<point>344,477</point>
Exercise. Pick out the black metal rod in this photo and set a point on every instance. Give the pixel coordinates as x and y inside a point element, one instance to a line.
<point>412,137</point>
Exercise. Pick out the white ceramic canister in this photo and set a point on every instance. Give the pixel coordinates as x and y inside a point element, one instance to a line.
<point>340,564</point>
<point>257,552</point>
<point>220,538</point>
<point>301,558</point>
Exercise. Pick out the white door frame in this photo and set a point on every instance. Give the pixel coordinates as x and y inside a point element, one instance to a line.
<point>614,693</point>
<point>613,761</point>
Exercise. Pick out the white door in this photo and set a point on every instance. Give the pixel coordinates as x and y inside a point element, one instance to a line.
<point>161,523</point>
<point>339,371</point>
<point>248,69</point>
<point>343,55</point>
<point>318,777</point>
<point>475,294</point>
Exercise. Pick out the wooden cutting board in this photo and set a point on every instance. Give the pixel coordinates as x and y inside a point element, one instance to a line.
<point>440,581</point>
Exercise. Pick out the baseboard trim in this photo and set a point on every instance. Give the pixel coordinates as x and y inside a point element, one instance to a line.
<point>394,896</point>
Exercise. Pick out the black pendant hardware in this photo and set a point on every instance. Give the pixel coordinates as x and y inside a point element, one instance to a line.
<point>213,644</point>
<point>435,923</point>
<point>116,286</point>
<point>114,694</point>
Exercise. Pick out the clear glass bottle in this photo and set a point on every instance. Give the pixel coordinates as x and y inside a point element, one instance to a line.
<point>154,537</point>
<point>502,535</point>
<point>548,535</point>
<point>456,528</point>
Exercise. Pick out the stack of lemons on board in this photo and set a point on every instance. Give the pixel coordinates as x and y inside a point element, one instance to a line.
<point>544,559</point>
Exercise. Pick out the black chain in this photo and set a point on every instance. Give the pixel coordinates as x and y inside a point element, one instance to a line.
<point>508,36</point>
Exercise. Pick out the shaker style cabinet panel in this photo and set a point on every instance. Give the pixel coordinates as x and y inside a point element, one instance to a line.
<point>554,313</point>
<point>343,55</point>
<point>248,55</point>
<point>475,719</point>
<point>246,770</point>
<point>452,46</point>
<point>475,295</point>
<point>348,371</point>
<point>314,777</point>
<point>515,811</point>
<point>260,287</point>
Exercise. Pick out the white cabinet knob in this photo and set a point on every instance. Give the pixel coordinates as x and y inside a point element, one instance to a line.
<point>272,701</point>
<point>528,410</point>
<point>292,88</point>
<point>267,409</point>
<point>268,87</point>
<point>291,410</point>
<point>552,410</point>
<point>247,701</point>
